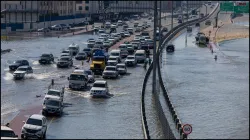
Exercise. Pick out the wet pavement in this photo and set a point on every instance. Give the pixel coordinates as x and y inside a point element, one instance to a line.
<point>83,117</point>
<point>212,96</point>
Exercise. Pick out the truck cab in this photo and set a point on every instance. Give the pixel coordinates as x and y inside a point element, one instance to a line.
<point>78,79</point>
<point>99,61</point>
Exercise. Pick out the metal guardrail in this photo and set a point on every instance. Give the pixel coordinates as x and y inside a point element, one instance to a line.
<point>162,117</point>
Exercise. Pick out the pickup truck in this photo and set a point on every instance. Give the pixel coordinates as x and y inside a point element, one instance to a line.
<point>21,71</point>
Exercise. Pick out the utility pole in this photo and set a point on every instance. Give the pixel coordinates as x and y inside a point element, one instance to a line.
<point>154,51</point>
<point>172,17</point>
<point>160,33</point>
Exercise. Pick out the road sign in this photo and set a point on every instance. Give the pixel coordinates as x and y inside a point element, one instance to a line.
<point>241,8</point>
<point>227,6</point>
<point>187,129</point>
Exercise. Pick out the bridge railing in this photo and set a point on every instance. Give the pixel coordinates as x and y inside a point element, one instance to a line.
<point>167,131</point>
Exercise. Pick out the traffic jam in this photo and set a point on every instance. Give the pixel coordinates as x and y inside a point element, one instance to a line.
<point>107,57</point>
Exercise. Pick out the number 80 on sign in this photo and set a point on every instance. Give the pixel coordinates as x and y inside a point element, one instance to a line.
<point>187,129</point>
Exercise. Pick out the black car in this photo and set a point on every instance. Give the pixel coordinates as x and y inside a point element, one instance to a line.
<point>81,56</point>
<point>170,48</point>
<point>165,29</point>
<point>17,63</point>
<point>144,46</point>
<point>87,51</point>
<point>46,59</point>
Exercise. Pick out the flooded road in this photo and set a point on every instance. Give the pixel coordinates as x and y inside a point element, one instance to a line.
<point>83,117</point>
<point>212,96</point>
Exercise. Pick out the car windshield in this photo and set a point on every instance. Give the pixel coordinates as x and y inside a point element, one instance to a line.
<point>145,34</point>
<point>130,57</point>
<point>81,53</point>
<point>115,54</point>
<point>72,48</point>
<point>7,133</point>
<point>98,85</point>
<point>17,61</point>
<point>112,58</point>
<point>123,46</point>
<point>106,42</point>
<point>110,68</point>
<point>66,51</point>
<point>98,43</point>
<point>21,69</point>
<point>92,41</point>
<point>52,103</point>
<point>87,50</point>
<point>54,93</point>
<point>64,59</point>
<point>77,77</point>
<point>34,122</point>
<point>120,66</point>
<point>139,54</point>
<point>98,59</point>
<point>45,55</point>
<point>89,72</point>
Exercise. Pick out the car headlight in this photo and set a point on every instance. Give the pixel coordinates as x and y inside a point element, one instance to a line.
<point>23,130</point>
<point>44,107</point>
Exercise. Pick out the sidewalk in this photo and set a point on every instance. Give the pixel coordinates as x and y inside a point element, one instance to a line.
<point>227,30</point>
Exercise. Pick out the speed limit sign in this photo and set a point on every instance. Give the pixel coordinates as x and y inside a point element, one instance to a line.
<point>187,129</point>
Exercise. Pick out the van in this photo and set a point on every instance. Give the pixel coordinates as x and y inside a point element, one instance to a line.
<point>116,53</point>
<point>78,79</point>
<point>140,55</point>
<point>107,25</point>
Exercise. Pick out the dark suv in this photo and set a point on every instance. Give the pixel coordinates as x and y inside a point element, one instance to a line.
<point>46,59</point>
<point>18,63</point>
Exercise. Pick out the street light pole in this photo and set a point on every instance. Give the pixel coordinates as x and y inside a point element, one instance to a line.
<point>154,50</point>
<point>172,17</point>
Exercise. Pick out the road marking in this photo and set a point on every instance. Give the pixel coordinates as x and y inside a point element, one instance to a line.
<point>50,123</point>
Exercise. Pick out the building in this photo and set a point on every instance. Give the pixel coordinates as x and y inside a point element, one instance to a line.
<point>26,15</point>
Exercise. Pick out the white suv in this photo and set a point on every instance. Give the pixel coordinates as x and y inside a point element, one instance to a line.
<point>99,88</point>
<point>35,127</point>
<point>7,133</point>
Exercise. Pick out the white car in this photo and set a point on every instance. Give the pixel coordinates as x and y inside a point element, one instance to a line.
<point>99,89</point>
<point>56,27</point>
<point>98,44</point>
<point>107,43</point>
<point>21,71</point>
<point>54,94</point>
<point>114,38</point>
<point>113,26</point>
<point>35,127</point>
<point>119,23</point>
<point>137,36</point>
<point>101,39</point>
<point>126,34</point>
<point>131,60</point>
<point>110,72</point>
<point>112,61</point>
<point>8,133</point>
<point>111,39</point>
<point>122,69</point>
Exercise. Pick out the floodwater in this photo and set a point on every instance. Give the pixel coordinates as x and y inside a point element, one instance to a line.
<point>83,117</point>
<point>212,96</point>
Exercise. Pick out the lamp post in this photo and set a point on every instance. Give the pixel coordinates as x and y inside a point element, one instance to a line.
<point>154,50</point>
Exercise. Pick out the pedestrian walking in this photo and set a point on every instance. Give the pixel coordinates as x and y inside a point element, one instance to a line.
<point>149,60</point>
